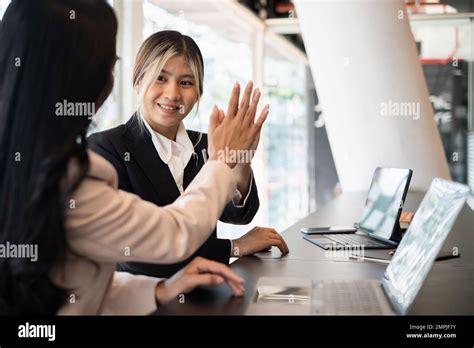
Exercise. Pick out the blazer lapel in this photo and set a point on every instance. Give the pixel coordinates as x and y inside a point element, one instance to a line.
<point>196,161</point>
<point>143,151</point>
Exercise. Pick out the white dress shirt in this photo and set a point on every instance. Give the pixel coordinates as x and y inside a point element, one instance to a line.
<point>177,154</point>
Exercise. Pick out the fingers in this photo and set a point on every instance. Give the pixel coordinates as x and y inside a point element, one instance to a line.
<point>252,110</point>
<point>234,101</point>
<point>237,288</point>
<point>263,116</point>
<point>280,244</point>
<point>244,104</point>
<point>255,142</point>
<point>285,245</point>
<point>278,236</point>
<point>221,116</point>
<point>277,240</point>
<point>214,119</point>
<point>248,105</point>
<point>206,279</point>
<point>207,266</point>
<point>213,273</point>
<point>264,238</point>
<point>273,231</point>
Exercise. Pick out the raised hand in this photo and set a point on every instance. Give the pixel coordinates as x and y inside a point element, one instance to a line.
<point>237,130</point>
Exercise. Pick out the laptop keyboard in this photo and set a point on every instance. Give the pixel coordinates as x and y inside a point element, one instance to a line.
<point>353,239</point>
<point>345,297</point>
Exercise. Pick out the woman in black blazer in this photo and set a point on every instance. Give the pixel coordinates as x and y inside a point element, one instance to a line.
<point>156,157</point>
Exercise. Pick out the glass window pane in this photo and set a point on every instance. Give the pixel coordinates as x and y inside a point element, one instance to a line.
<point>285,187</point>
<point>445,47</point>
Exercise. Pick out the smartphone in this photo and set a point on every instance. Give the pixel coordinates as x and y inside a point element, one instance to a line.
<point>326,230</point>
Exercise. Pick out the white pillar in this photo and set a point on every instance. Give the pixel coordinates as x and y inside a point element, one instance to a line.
<point>130,37</point>
<point>365,65</point>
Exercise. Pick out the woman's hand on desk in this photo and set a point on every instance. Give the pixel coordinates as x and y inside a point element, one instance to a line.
<point>199,272</point>
<point>237,130</point>
<point>258,239</point>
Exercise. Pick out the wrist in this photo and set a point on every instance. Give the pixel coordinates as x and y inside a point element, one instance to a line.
<point>244,166</point>
<point>162,293</point>
<point>214,157</point>
<point>244,172</point>
<point>210,153</point>
<point>237,249</point>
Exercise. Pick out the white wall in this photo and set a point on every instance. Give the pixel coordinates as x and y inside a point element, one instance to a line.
<point>363,56</point>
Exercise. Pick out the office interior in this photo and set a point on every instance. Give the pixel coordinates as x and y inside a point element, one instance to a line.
<point>327,86</point>
<point>296,166</point>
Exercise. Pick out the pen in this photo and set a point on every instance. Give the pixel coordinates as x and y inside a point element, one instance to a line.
<point>367,258</point>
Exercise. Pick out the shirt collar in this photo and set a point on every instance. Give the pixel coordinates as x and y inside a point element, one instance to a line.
<point>164,146</point>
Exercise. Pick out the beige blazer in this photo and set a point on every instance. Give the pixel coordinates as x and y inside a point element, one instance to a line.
<point>105,225</point>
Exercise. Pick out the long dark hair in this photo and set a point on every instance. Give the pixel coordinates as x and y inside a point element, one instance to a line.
<point>52,51</point>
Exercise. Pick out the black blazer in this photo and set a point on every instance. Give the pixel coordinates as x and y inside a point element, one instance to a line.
<point>140,169</point>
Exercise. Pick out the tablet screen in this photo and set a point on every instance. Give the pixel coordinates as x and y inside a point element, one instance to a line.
<point>385,201</point>
<point>422,241</point>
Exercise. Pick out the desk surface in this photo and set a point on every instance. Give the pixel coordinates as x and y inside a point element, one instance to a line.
<point>448,289</point>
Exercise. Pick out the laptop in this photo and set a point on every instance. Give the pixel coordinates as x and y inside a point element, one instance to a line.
<point>403,277</point>
<point>379,226</point>
<point>409,266</point>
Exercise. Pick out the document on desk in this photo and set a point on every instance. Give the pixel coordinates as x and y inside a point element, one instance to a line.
<point>281,296</point>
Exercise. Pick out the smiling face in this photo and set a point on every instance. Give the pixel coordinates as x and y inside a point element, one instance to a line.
<point>171,97</point>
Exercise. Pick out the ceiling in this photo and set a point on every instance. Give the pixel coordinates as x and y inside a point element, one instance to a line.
<point>237,19</point>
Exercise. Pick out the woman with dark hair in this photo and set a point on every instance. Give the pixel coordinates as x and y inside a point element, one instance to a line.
<point>156,157</point>
<point>56,64</point>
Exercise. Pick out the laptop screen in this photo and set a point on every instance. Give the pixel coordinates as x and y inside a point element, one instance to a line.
<point>422,242</point>
<point>384,201</point>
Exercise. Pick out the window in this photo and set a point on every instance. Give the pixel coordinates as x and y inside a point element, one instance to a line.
<point>285,186</point>
<point>446,52</point>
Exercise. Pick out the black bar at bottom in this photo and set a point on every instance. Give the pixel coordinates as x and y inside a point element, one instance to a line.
<point>429,330</point>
